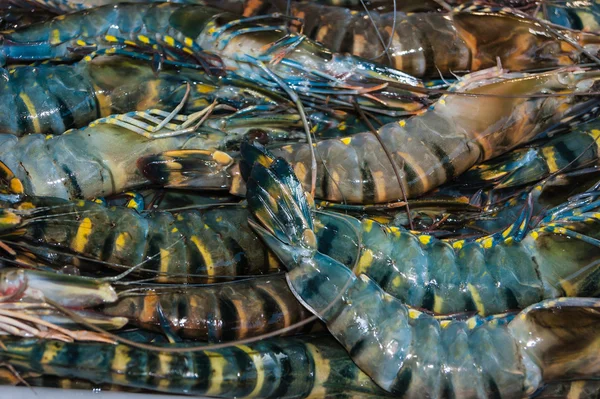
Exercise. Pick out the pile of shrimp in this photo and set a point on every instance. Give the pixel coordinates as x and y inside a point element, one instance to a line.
<point>301,198</point>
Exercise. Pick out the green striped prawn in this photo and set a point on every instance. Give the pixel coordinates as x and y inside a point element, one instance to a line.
<point>410,353</point>
<point>573,150</point>
<point>291,367</point>
<point>504,356</point>
<point>466,39</point>
<point>193,245</point>
<point>256,49</point>
<point>513,268</point>
<point>99,160</point>
<point>425,44</point>
<point>222,312</point>
<point>52,99</point>
<point>522,344</point>
<point>214,243</point>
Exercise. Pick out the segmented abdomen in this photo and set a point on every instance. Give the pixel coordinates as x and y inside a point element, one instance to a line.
<point>46,99</point>
<point>103,27</point>
<point>52,99</point>
<point>427,44</point>
<point>223,312</point>
<point>187,246</point>
<point>420,42</point>
<point>277,368</point>
<point>430,149</point>
<point>489,275</point>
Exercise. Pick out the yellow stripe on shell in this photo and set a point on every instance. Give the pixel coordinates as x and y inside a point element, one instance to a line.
<point>206,255</point>
<point>425,239</point>
<point>438,304</point>
<point>476,298</point>
<point>170,41</point>
<point>550,156</point>
<point>37,128</point>
<point>322,372</point>
<point>121,241</point>
<point>217,365</point>
<point>259,368</point>
<point>82,236</point>
<point>119,364</point>
<point>164,369</point>
<point>164,264</point>
<point>365,261</point>
<point>52,350</point>
<point>54,37</point>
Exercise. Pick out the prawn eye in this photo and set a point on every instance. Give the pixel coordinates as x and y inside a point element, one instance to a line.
<point>309,239</point>
<point>258,135</point>
<point>11,283</point>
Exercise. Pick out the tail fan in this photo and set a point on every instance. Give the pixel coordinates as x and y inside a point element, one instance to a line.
<point>188,169</point>
<point>252,153</point>
<point>278,201</point>
<point>566,338</point>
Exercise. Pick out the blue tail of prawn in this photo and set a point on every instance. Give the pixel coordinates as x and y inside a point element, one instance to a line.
<point>567,152</point>
<point>278,201</point>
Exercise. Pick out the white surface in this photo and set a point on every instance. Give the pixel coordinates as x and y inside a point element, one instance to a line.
<point>55,393</point>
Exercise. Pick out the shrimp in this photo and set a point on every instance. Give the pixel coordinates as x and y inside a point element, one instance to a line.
<point>221,43</point>
<point>511,269</point>
<point>496,113</point>
<point>185,246</point>
<point>469,38</point>
<point>570,151</point>
<point>52,99</point>
<point>281,367</point>
<point>221,312</point>
<point>410,353</point>
<point>99,160</point>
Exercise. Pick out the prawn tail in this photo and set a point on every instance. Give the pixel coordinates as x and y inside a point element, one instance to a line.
<point>514,169</point>
<point>188,169</point>
<point>566,343</point>
<point>278,201</point>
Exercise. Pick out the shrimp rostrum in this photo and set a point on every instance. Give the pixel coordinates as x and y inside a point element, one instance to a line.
<point>407,352</point>
<point>28,299</point>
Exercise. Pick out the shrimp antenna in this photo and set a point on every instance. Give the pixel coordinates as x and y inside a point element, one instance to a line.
<point>14,372</point>
<point>444,5</point>
<point>386,47</point>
